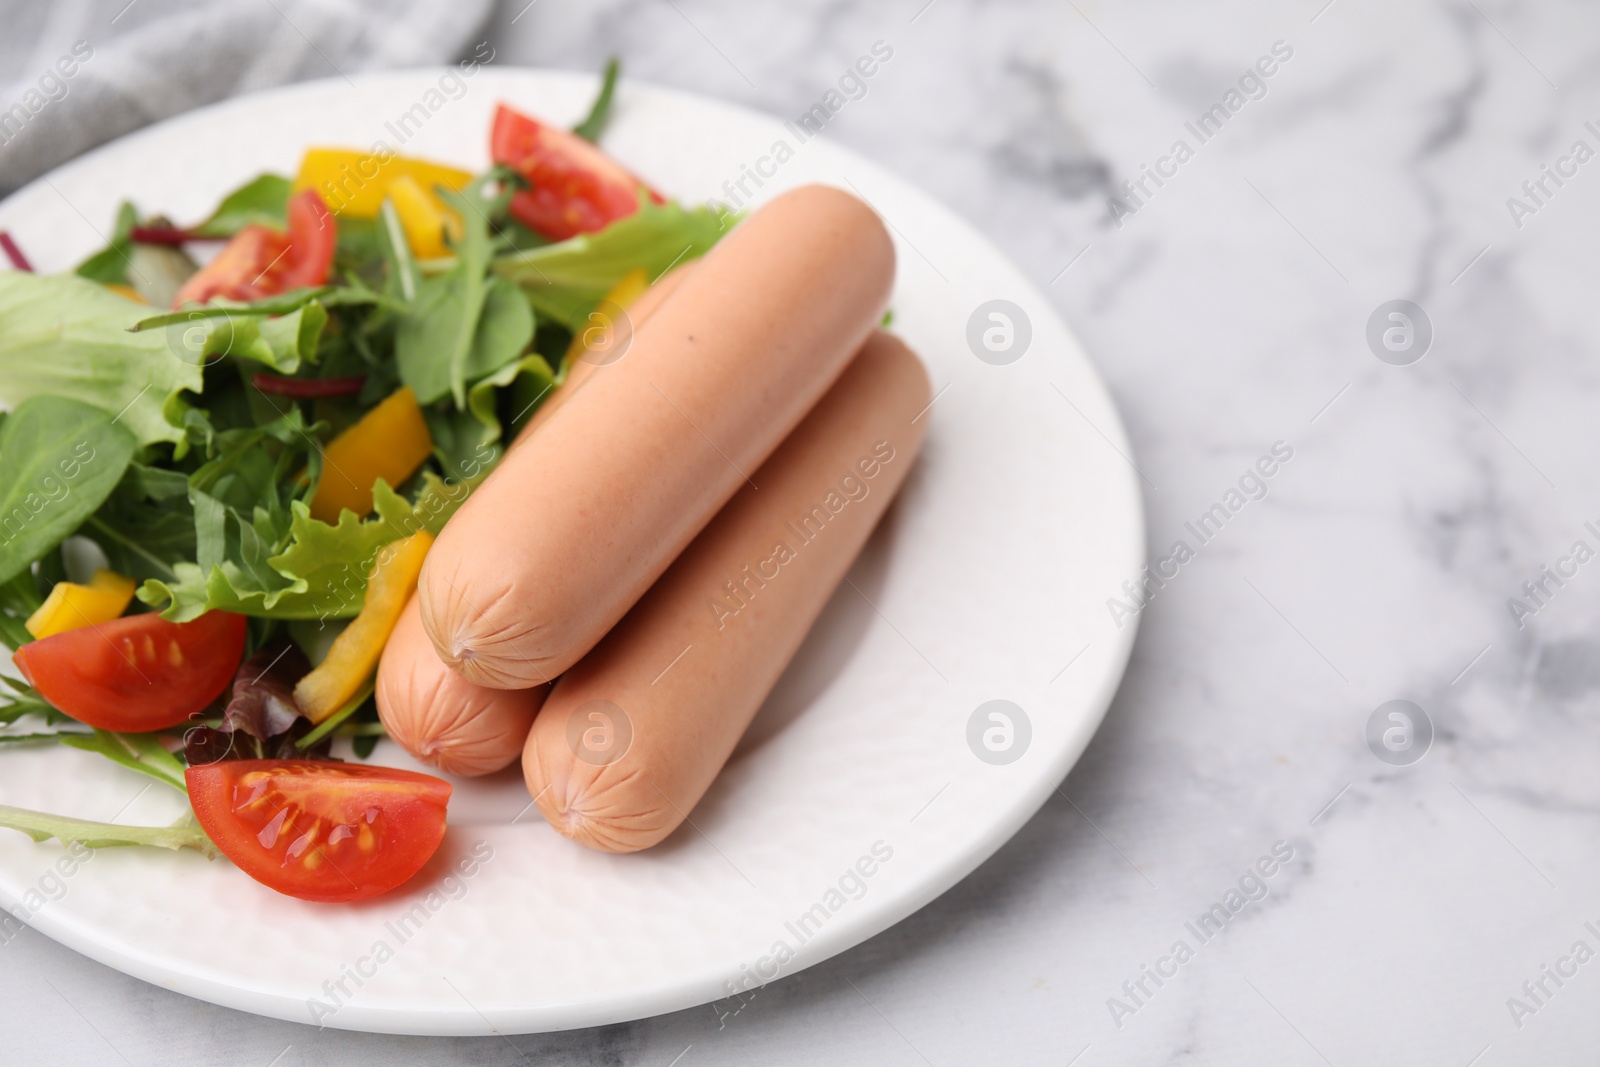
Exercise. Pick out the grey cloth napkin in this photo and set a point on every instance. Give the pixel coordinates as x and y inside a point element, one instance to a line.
<point>76,73</point>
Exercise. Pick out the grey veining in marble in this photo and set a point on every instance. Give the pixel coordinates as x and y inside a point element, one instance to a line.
<point>1420,904</point>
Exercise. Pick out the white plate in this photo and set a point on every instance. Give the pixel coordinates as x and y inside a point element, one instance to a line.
<point>988,577</point>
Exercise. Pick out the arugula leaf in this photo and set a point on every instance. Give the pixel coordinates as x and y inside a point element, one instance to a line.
<point>62,458</point>
<point>321,574</point>
<point>23,592</point>
<point>137,752</point>
<point>437,346</point>
<point>282,304</point>
<point>18,700</point>
<point>567,279</point>
<point>146,524</point>
<point>505,329</point>
<point>13,634</point>
<point>109,266</point>
<point>243,472</point>
<point>513,236</point>
<point>42,827</point>
<point>592,126</point>
<point>155,483</point>
<point>358,250</point>
<point>239,499</point>
<point>67,336</point>
<point>263,201</point>
<point>402,281</point>
<point>463,446</point>
<point>19,598</point>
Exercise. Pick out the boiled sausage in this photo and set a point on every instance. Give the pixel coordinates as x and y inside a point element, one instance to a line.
<point>432,712</point>
<point>634,734</point>
<point>441,718</point>
<point>575,524</point>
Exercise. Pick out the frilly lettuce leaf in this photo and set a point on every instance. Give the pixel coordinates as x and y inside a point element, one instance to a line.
<point>63,335</point>
<point>281,332</point>
<point>565,280</point>
<point>540,379</point>
<point>321,574</point>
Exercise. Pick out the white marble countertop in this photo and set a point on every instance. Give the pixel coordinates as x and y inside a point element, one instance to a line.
<point>1228,308</point>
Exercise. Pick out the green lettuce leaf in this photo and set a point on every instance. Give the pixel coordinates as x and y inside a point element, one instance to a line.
<point>62,458</point>
<point>321,574</point>
<point>282,343</point>
<point>67,336</point>
<point>283,336</point>
<point>567,279</point>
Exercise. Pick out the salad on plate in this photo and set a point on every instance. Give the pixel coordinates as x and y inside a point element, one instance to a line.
<point>226,448</point>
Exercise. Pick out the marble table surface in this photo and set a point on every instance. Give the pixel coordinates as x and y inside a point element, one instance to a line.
<point>1255,861</point>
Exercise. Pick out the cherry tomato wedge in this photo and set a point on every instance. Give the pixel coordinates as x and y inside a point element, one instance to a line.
<point>259,261</point>
<point>576,187</point>
<point>319,830</point>
<point>136,673</point>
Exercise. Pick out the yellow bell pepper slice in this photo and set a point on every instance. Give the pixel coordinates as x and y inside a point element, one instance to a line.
<point>390,442</point>
<point>426,222</point>
<point>354,654</point>
<point>71,605</point>
<point>352,182</point>
<point>628,289</point>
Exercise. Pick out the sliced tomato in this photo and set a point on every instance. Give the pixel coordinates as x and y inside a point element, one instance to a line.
<point>319,830</point>
<point>313,238</point>
<point>136,673</point>
<point>259,261</point>
<point>236,271</point>
<point>576,187</point>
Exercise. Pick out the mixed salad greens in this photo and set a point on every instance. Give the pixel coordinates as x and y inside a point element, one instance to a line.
<point>218,481</point>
